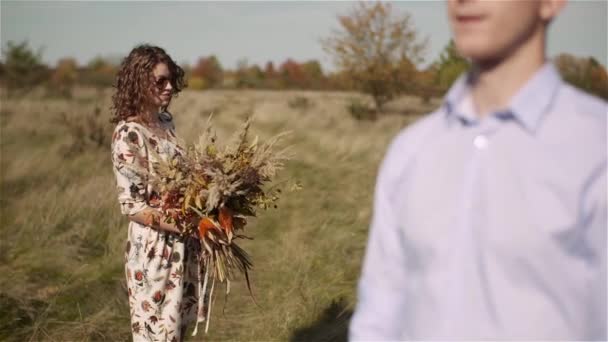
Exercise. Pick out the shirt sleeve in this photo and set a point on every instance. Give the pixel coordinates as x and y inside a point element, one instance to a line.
<point>381,299</point>
<point>129,158</point>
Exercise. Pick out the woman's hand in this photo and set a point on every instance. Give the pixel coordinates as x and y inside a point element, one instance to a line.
<point>189,221</point>
<point>172,213</point>
<point>193,222</point>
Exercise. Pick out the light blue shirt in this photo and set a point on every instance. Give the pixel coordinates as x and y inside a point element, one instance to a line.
<point>492,228</point>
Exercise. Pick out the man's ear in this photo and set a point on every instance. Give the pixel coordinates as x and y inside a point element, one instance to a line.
<point>549,9</point>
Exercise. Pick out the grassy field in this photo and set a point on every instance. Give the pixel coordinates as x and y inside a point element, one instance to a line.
<point>62,236</point>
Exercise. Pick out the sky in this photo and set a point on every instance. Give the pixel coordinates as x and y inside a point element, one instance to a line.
<point>257,31</point>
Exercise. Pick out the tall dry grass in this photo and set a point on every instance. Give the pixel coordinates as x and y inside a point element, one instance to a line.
<point>62,237</point>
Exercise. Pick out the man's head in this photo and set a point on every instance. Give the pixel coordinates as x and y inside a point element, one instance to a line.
<point>489,30</point>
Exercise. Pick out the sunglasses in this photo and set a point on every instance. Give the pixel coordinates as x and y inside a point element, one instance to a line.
<point>161,82</point>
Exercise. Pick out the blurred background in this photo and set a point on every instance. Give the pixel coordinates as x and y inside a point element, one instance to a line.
<point>328,71</point>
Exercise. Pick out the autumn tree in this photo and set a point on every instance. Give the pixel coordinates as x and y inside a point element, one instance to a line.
<point>271,76</point>
<point>378,48</point>
<point>248,75</point>
<point>269,70</point>
<point>64,77</point>
<point>292,74</point>
<point>209,70</point>
<point>426,87</point>
<point>100,73</point>
<point>341,80</point>
<point>313,72</point>
<point>584,73</point>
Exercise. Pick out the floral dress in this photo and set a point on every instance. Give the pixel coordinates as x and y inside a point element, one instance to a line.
<point>161,268</point>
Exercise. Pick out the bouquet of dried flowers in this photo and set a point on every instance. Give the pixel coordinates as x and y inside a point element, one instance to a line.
<point>220,187</point>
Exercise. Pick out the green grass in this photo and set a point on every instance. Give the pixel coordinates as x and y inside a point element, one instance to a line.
<point>62,236</point>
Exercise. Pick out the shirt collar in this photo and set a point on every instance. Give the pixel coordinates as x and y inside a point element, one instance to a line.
<point>527,106</point>
<point>458,105</point>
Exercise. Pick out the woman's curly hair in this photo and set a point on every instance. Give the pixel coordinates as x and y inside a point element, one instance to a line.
<point>134,80</point>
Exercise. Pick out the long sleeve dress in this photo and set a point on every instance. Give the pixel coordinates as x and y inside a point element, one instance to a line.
<point>161,267</point>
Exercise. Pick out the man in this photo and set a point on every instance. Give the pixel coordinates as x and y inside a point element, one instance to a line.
<point>489,215</point>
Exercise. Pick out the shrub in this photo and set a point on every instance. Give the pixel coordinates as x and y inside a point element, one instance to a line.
<point>23,68</point>
<point>301,103</point>
<point>361,111</point>
<point>197,83</point>
<point>63,78</point>
<point>89,131</point>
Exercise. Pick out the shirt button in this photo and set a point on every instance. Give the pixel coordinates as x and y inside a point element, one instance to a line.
<point>481,142</point>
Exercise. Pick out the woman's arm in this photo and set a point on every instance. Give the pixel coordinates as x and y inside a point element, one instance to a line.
<point>155,219</point>
<point>129,157</point>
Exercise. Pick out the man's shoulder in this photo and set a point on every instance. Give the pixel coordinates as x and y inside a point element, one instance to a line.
<point>417,132</point>
<point>574,132</point>
<point>585,105</point>
<point>406,143</point>
<point>583,113</point>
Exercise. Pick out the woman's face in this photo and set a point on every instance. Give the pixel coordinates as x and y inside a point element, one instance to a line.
<point>162,89</point>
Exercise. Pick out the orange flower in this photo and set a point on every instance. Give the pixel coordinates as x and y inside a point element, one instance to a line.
<point>225,218</point>
<point>204,225</point>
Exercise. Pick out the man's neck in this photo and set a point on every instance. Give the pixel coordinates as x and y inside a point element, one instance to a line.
<point>495,83</point>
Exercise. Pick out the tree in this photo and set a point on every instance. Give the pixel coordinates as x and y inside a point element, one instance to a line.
<point>340,81</point>
<point>269,70</point>
<point>64,77</point>
<point>292,74</point>
<point>449,66</point>
<point>23,68</point>
<point>248,76</point>
<point>100,72</point>
<point>584,73</point>
<point>271,76</point>
<point>374,46</point>
<point>209,70</point>
<point>313,73</point>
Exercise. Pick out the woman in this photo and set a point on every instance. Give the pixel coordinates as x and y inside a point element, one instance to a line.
<point>161,266</point>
